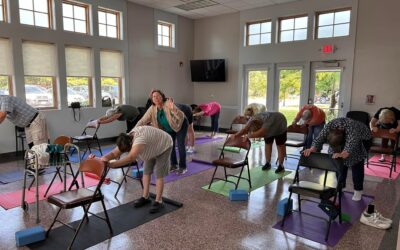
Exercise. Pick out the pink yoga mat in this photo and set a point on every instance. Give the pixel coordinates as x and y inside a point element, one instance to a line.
<point>13,199</point>
<point>380,171</point>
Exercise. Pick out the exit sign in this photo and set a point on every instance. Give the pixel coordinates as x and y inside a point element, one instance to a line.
<point>328,49</point>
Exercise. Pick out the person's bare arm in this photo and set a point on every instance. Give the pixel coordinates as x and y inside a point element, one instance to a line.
<point>243,131</point>
<point>113,154</point>
<point>105,119</point>
<point>131,157</point>
<point>372,124</point>
<point>259,133</point>
<point>3,116</point>
<point>201,113</point>
<point>395,130</point>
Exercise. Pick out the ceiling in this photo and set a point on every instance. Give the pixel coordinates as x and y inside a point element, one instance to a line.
<point>196,9</point>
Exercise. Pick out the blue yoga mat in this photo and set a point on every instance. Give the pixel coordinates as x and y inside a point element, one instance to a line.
<point>18,175</point>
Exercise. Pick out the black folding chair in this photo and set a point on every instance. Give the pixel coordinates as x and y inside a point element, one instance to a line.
<point>126,175</point>
<point>316,190</point>
<point>82,197</point>
<point>88,137</point>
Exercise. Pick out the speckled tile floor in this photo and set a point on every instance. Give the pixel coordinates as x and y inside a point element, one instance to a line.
<point>207,220</point>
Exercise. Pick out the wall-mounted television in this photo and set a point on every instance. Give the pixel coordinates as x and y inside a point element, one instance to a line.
<point>208,70</point>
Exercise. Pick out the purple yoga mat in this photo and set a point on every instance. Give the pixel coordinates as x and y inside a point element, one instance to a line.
<point>193,168</point>
<point>206,139</point>
<point>314,229</point>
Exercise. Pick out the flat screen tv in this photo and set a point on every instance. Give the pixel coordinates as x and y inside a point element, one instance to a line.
<point>208,70</point>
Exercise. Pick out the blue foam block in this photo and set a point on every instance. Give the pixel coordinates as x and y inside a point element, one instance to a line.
<point>136,173</point>
<point>30,235</point>
<point>238,195</point>
<point>281,208</point>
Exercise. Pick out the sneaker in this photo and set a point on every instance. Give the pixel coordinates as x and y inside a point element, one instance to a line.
<point>373,221</point>
<point>181,171</point>
<point>267,166</point>
<point>141,202</point>
<point>357,195</point>
<point>173,168</point>
<point>190,150</point>
<point>279,169</point>
<point>382,159</point>
<point>156,207</point>
<point>383,219</point>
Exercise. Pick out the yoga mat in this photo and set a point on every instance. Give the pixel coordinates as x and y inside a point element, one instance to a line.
<point>206,139</point>
<point>237,150</point>
<point>18,175</point>
<point>259,178</point>
<point>314,229</point>
<point>122,218</point>
<point>13,199</point>
<point>192,167</point>
<point>380,171</point>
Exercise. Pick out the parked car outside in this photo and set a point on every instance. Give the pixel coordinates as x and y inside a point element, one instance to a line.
<point>74,96</point>
<point>37,96</point>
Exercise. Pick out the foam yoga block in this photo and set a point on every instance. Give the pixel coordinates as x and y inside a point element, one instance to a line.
<point>238,195</point>
<point>281,208</point>
<point>30,235</point>
<point>136,173</point>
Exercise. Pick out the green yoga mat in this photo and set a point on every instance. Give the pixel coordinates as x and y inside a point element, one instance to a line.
<point>237,150</point>
<point>259,178</point>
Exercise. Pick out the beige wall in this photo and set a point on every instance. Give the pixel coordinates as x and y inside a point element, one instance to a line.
<point>377,55</point>
<point>153,68</point>
<point>218,38</point>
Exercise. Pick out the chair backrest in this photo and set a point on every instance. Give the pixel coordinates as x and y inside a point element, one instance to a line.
<point>239,120</point>
<point>294,128</point>
<point>93,126</point>
<point>321,161</point>
<point>238,141</point>
<point>384,134</point>
<point>62,140</point>
<point>94,166</point>
<point>360,116</point>
<point>70,148</point>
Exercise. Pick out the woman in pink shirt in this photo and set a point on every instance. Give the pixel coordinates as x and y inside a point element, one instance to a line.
<point>211,109</point>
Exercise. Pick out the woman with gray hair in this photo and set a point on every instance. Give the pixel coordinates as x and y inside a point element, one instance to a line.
<point>386,118</point>
<point>123,112</point>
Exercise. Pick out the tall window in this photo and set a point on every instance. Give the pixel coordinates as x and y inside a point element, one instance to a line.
<point>79,75</point>
<point>109,23</point>
<point>5,67</point>
<point>40,67</point>
<point>112,71</point>
<point>165,34</point>
<point>293,29</point>
<point>76,17</point>
<point>333,24</point>
<point>289,92</point>
<point>3,13</point>
<point>35,12</point>
<point>258,33</point>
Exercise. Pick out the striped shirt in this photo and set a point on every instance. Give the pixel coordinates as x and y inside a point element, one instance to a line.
<point>210,108</point>
<point>18,112</point>
<point>156,141</point>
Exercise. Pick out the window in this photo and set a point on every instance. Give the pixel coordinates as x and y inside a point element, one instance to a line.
<point>79,75</point>
<point>112,71</point>
<point>333,24</point>
<point>258,33</point>
<point>75,17</point>
<point>35,12</point>
<point>293,29</point>
<point>5,67</point>
<point>3,13</point>
<point>109,23</point>
<point>40,68</point>
<point>165,34</point>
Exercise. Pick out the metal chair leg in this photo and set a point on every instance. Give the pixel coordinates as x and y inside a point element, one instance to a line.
<point>286,210</point>
<point>107,218</point>
<point>299,201</point>
<point>54,221</point>
<point>209,186</point>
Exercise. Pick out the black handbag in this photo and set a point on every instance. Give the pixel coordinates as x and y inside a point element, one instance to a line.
<point>106,101</point>
<point>74,106</point>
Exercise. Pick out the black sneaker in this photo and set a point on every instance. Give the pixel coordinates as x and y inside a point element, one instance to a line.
<point>141,202</point>
<point>267,166</point>
<point>279,169</point>
<point>156,207</point>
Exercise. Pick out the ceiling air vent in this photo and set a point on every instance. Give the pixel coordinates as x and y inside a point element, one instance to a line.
<point>196,5</point>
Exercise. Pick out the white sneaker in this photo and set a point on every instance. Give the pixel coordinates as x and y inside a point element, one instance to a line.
<point>190,150</point>
<point>382,159</point>
<point>357,195</point>
<point>383,219</point>
<point>374,221</point>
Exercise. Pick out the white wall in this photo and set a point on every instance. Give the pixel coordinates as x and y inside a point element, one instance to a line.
<point>377,55</point>
<point>61,121</point>
<point>217,38</point>
<point>152,68</point>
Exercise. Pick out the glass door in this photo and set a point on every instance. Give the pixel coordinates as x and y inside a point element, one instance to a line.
<point>290,80</point>
<point>257,80</point>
